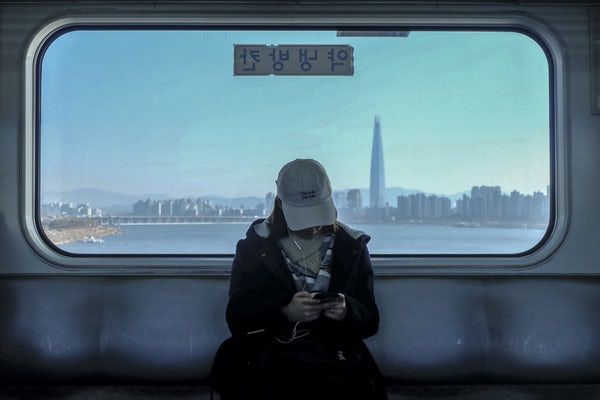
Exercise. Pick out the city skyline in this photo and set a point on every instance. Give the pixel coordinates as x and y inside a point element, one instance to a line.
<point>491,196</point>
<point>486,206</point>
<point>51,197</point>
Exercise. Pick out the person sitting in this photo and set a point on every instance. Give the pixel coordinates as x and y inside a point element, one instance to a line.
<point>300,301</point>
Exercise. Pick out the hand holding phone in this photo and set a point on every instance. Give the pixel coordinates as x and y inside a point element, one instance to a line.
<point>325,297</point>
<point>334,305</point>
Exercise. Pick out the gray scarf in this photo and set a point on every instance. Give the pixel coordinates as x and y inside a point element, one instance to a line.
<point>304,278</point>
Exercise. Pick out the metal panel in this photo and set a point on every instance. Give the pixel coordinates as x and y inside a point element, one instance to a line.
<point>569,25</point>
<point>595,64</point>
<point>387,265</point>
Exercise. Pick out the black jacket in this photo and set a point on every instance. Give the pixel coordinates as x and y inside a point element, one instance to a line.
<point>255,366</point>
<point>261,284</point>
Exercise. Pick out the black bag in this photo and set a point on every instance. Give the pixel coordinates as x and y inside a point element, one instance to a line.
<point>234,366</point>
<point>259,367</point>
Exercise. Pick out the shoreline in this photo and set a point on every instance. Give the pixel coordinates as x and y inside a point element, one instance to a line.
<point>70,235</point>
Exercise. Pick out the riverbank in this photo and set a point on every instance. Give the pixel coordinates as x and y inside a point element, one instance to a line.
<point>75,234</point>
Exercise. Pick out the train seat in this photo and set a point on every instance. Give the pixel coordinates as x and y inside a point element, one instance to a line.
<point>456,337</point>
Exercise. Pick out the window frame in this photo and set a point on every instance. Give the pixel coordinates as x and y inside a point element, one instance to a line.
<point>219,264</point>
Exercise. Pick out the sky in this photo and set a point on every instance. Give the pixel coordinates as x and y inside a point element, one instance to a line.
<point>161,112</point>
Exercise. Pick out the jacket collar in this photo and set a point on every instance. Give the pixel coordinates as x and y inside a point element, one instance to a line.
<point>260,233</point>
<point>262,229</point>
<point>357,237</point>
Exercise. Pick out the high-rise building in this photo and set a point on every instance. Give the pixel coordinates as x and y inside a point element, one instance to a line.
<point>353,199</point>
<point>269,200</point>
<point>377,184</point>
<point>142,207</point>
<point>417,204</point>
<point>339,199</point>
<point>403,204</point>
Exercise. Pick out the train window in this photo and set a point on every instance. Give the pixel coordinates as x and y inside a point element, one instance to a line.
<point>150,142</point>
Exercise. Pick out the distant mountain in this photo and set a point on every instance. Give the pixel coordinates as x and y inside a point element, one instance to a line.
<point>392,193</point>
<point>154,196</point>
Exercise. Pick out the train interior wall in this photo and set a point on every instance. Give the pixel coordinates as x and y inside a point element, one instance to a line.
<point>502,334</point>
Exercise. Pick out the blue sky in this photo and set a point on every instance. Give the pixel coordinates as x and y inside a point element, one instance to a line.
<point>161,112</point>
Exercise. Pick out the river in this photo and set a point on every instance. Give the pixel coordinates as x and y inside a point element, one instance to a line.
<point>385,239</point>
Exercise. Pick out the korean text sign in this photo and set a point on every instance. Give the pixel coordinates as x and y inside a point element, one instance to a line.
<point>293,60</point>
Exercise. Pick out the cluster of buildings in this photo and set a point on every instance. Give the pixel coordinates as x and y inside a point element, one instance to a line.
<point>416,205</point>
<point>192,208</point>
<point>60,209</point>
<point>419,205</point>
<point>486,204</point>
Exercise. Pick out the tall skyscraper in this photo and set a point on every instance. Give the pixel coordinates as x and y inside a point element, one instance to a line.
<point>377,187</point>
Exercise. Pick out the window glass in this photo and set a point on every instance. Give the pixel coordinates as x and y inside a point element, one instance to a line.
<point>437,143</point>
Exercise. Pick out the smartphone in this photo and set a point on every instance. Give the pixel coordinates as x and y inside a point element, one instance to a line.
<point>325,296</point>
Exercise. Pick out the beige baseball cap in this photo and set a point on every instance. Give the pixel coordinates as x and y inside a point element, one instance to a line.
<point>306,195</point>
